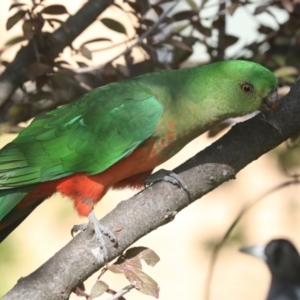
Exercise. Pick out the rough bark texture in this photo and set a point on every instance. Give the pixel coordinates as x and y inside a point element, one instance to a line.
<point>154,206</point>
<point>15,74</point>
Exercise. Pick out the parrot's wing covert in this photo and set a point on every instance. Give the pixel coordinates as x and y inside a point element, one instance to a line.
<point>88,135</point>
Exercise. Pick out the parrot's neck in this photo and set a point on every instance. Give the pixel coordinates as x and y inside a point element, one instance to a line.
<point>187,110</point>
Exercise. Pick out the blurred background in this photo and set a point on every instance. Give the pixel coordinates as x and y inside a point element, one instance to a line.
<point>135,37</point>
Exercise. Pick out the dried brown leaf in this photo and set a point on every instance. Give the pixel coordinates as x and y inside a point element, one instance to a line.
<point>144,283</point>
<point>150,257</point>
<point>288,5</point>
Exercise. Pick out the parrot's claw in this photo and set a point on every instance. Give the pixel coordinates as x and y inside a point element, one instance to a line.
<point>167,176</point>
<point>79,227</point>
<point>100,230</point>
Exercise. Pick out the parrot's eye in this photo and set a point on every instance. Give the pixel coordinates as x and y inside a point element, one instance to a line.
<point>247,88</point>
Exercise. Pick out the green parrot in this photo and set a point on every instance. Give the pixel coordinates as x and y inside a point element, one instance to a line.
<point>115,135</point>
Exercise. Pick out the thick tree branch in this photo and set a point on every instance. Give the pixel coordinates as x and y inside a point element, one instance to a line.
<point>15,74</point>
<point>156,205</point>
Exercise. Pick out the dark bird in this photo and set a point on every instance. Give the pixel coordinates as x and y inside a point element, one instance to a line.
<point>283,261</point>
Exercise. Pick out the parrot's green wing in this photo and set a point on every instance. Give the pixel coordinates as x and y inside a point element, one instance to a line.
<point>88,135</point>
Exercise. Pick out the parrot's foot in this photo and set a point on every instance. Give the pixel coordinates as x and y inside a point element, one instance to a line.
<point>100,230</point>
<point>167,176</point>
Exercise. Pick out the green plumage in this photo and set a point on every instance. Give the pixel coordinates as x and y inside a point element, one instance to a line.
<point>88,135</point>
<point>102,127</point>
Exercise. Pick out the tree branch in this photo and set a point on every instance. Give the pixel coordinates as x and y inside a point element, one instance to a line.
<point>15,74</point>
<point>157,205</point>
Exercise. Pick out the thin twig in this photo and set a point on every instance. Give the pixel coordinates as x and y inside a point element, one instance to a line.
<point>113,46</point>
<point>122,292</point>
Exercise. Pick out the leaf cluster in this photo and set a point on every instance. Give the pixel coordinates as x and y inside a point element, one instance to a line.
<point>165,33</point>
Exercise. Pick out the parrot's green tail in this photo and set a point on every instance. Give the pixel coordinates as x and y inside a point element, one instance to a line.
<point>10,214</point>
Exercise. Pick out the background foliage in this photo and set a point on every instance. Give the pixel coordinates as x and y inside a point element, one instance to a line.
<point>166,33</point>
<point>155,35</point>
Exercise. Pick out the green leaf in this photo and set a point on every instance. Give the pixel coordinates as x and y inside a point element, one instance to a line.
<point>217,24</point>
<point>184,15</point>
<point>230,40</point>
<point>192,4</point>
<point>163,1</point>
<point>260,9</point>
<point>150,257</point>
<point>13,20</point>
<point>157,9</point>
<point>180,55</point>
<point>150,51</point>
<point>14,41</point>
<point>232,8</point>
<point>265,29</point>
<point>144,6</point>
<point>114,25</point>
<point>143,282</point>
<point>141,6</point>
<point>81,64</point>
<point>16,5</point>
<point>179,44</point>
<point>286,71</point>
<point>178,28</point>
<point>4,63</point>
<point>51,21</point>
<point>54,10</point>
<point>86,52</point>
<point>97,40</point>
<point>203,3</point>
<point>204,30</point>
<point>98,289</point>
<point>278,59</point>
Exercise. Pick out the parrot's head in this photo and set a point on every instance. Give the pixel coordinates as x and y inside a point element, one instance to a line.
<point>245,87</point>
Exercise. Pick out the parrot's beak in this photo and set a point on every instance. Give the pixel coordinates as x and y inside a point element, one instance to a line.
<point>270,102</point>
<point>257,251</point>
